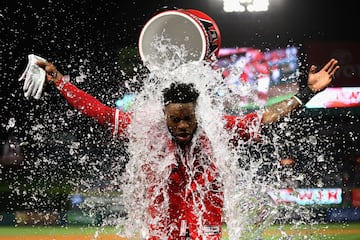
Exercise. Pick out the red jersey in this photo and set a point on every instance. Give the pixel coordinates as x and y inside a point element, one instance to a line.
<point>190,204</point>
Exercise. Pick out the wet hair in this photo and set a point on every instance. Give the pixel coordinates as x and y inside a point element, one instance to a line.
<point>180,93</point>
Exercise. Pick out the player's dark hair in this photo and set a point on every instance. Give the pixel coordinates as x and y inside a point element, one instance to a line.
<point>180,93</point>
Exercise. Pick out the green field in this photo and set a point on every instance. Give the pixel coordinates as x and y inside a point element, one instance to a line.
<point>348,231</point>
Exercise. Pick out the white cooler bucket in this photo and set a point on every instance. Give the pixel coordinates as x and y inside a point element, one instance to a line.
<point>188,29</point>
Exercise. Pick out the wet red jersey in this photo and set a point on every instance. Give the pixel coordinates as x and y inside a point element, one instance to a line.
<point>190,203</point>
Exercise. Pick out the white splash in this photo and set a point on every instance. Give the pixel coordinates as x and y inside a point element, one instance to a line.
<point>248,208</point>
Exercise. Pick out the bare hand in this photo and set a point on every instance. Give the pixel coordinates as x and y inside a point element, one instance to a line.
<point>52,74</point>
<point>317,81</point>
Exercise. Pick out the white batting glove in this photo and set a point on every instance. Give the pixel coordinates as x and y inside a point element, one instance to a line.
<point>34,77</point>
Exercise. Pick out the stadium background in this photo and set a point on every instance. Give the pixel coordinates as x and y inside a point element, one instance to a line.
<point>99,38</point>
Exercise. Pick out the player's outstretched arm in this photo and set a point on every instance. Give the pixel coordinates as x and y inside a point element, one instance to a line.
<point>316,82</point>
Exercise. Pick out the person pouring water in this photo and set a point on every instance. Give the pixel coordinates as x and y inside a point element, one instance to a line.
<point>184,193</point>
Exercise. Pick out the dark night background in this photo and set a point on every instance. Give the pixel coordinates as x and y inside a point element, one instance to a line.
<point>99,38</point>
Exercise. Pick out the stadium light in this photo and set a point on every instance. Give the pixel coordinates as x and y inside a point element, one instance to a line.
<point>245,5</point>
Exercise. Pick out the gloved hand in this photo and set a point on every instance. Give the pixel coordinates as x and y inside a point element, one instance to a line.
<point>34,77</point>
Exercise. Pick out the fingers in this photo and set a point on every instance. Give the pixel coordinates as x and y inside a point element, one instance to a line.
<point>52,74</point>
<point>42,64</point>
<point>333,70</point>
<point>48,67</point>
<point>331,67</point>
<point>329,64</point>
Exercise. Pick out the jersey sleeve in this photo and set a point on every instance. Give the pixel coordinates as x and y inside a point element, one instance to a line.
<point>92,107</point>
<point>243,128</point>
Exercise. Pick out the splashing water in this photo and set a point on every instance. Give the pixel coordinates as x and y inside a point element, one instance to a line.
<point>249,210</point>
<point>48,163</point>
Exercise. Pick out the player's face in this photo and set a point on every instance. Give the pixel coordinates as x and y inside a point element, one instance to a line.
<point>181,121</point>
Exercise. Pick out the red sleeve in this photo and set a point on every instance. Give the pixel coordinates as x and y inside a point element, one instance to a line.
<point>91,107</point>
<point>245,128</point>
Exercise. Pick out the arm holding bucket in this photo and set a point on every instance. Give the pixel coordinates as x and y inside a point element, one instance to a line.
<point>316,82</point>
